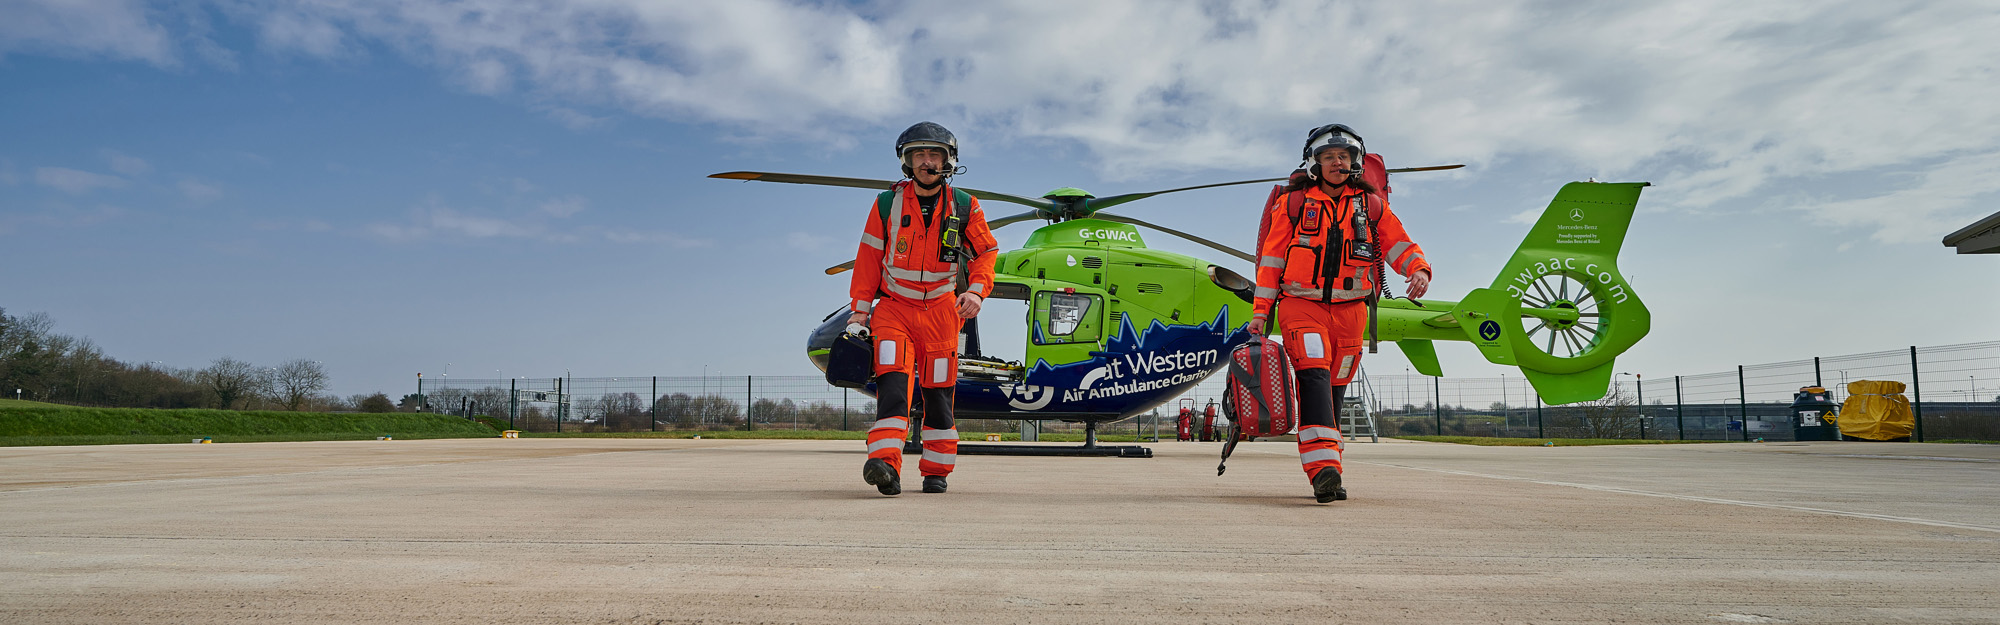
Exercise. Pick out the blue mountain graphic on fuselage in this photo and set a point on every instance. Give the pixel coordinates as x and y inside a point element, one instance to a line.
<point>1135,372</point>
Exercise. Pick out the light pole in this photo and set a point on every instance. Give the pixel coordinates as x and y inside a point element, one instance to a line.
<point>447,375</point>
<point>1639,382</point>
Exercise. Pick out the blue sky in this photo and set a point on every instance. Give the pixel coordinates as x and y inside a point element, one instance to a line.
<point>518,188</point>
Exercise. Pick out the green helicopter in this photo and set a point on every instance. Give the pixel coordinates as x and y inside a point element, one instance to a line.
<point>1116,329</point>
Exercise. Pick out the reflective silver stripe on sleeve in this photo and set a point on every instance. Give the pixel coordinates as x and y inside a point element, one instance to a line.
<point>941,435</point>
<point>1271,261</point>
<point>976,289</point>
<point>1319,455</point>
<point>887,443</point>
<point>863,306</point>
<point>951,459</point>
<point>870,241</point>
<point>1316,432</point>
<point>1265,292</point>
<point>1397,249</point>
<point>891,423</point>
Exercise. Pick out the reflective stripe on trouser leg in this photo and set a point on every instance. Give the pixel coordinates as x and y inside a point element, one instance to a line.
<point>1319,448</point>
<point>885,440</point>
<point>892,418</point>
<point>940,452</point>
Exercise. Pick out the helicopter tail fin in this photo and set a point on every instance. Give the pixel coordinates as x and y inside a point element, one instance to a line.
<point>1559,310</point>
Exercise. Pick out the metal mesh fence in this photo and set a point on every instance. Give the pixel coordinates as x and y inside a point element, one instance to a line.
<point>683,404</point>
<point>1954,390</point>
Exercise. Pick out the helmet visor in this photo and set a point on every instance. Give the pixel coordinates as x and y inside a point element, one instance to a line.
<point>1335,140</point>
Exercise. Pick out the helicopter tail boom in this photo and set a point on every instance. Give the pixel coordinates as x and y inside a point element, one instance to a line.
<point>1560,310</point>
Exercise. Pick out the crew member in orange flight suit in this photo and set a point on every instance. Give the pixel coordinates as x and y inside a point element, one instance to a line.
<point>1318,259</point>
<point>905,291</point>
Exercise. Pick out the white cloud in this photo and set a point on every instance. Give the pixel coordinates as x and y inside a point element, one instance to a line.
<point>659,238</point>
<point>572,118</point>
<point>564,206</point>
<point>806,241</point>
<point>199,191</point>
<point>435,220</point>
<point>119,29</point>
<point>1715,100</point>
<point>74,181</point>
<point>125,164</point>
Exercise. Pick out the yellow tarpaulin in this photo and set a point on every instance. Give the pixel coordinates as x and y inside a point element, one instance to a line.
<point>1876,410</point>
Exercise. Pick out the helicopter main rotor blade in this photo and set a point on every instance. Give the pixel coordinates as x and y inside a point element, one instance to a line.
<point>1108,202</point>
<point>1406,170</point>
<point>1211,244</point>
<point>836,269</point>
<point>996,224</point>
<point>869,183</point>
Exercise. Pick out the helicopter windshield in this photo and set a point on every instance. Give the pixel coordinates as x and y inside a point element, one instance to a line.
<point>1065,312</point>
<point>1066,317</point>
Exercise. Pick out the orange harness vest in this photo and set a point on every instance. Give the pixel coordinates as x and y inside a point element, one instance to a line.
<point>906,254</point>
<point>1321,256</point>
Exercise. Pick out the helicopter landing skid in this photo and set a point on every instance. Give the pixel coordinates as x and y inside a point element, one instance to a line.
<point>1089,448</point>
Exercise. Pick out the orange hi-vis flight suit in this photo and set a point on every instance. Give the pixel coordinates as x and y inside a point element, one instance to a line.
<point>1305,271</point>
<point>910,293</point>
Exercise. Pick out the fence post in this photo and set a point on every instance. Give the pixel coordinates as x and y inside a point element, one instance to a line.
<point>1917,392</point>
<point>1680,410</point>
<point>1639,382</point>
<point>1437,403</point>
<point>749,384</point>
<point>843,409</point>
<point>513,403</point>
<point>1742,403</point>
<point>1541,431</point>
<point>560,404</point>
<point>656,404</point>
<point>422,401</point>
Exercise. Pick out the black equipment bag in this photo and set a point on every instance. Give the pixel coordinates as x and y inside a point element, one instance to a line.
<point>851,361</point>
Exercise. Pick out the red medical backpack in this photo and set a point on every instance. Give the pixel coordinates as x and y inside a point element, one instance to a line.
<point>1260,398</point>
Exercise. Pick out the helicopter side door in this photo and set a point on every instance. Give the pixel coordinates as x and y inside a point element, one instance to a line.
<point>1066,324</point>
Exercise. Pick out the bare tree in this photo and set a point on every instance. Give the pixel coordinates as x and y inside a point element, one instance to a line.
<point>296,381</point>
<point>376,403</point>
<point>231,379</point>
<point>1612,416</point>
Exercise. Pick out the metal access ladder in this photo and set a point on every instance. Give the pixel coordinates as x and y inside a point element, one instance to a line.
<point>1357,412</point>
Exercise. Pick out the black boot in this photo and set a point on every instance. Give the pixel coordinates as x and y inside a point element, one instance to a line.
<point>1326,486</point>
<point>934,484</point>
<point>878,472</point>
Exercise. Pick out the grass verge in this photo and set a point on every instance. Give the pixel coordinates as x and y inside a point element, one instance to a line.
<point>1541,442</point>
<point>47,424</point>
